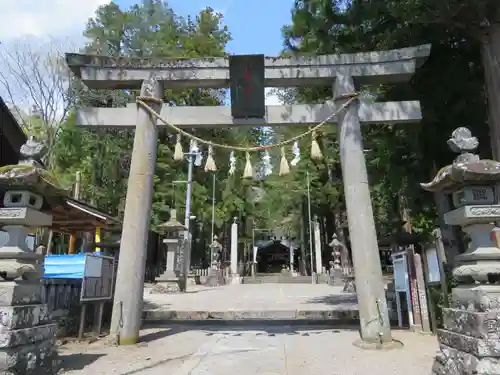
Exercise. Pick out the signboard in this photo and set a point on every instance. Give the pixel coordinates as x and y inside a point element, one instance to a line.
<point>400,272</point>
<point>98,276</point>
<point>247,83</point>
<point>432,265</point>
<point>402,285</point>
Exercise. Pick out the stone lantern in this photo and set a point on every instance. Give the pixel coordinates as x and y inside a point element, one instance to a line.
<point>335,264</point>
<point>169,280</point>
<point>470,340</point>
<point>27,191</point>
<point>215,249</point>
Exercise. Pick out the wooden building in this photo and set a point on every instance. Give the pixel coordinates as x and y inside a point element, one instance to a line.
<point>12,136</point>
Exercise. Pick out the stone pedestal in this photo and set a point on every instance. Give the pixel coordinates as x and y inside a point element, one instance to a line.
<point>27,334</point>
<point>470,341</point>
<point>168,281</point>
<point>234,279</point>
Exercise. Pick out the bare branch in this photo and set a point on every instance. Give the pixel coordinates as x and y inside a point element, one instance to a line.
<point>35,83</point>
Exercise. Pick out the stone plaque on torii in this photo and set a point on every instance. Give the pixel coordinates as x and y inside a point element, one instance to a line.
<point>343,71</point>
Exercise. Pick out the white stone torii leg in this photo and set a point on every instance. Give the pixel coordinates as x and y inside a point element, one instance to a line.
<point>374,318</point>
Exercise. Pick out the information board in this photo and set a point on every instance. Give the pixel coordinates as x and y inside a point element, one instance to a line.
<point>98,276</point>
<point>402,285</point>
<point>433,273</point>
<point>400,273</point>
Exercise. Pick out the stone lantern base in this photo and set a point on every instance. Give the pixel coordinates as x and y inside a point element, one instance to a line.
<point>27,334</point>
<point>470,340</point>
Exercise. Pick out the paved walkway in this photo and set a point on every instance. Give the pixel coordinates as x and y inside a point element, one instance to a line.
<point>252,350</point>
<point>254,297</point>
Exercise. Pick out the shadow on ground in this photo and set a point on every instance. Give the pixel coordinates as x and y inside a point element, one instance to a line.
<point>76,361</point>
<point>148,305</point>
<point>235,328</point>
<point>334,299</point>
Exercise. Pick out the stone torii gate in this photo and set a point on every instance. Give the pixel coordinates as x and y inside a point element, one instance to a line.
<point>342,71</point>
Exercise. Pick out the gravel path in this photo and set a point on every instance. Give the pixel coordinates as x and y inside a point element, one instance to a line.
<point>256,350</point>
<point>254,297</point>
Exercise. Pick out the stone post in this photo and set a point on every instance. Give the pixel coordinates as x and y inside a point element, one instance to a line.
<point>27,332</point>
<point>255,250</point>
<point>422,293</point>
<point>470,338</point>
<point>235,277</point>
<point>373,313</point>
<point>318,247</point>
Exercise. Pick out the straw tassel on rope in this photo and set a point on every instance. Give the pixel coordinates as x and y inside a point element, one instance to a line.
<point>178,153</point>
<point>284,167</point>
<point>210,164</point>
<point>316,153</point>
<point>248,171</point>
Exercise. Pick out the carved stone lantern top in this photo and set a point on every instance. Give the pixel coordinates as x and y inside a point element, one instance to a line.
<point>172,225</point>
<point>467,169</point>
<point>29,173</point>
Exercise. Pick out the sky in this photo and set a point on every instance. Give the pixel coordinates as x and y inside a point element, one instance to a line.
<point>255,25</point>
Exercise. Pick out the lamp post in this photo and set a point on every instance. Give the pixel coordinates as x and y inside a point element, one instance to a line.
<point>194,157</point>
<point>313,276</point>
<point>213,207</point>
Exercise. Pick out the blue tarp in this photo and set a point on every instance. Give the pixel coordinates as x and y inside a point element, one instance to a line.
<point>64,266</point>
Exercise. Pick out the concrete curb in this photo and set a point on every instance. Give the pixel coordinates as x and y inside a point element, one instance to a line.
<point>339,316</point>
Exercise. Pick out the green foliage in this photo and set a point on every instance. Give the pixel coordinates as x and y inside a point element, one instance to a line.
<point>152,29</point>
<point>449,86</point>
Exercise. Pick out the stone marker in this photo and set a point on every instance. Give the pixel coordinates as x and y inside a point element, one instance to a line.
<point>235,277</point>
<point>27,333</point>
<point>470,340</point>
<point>422,294</point>
<point>318,247</point>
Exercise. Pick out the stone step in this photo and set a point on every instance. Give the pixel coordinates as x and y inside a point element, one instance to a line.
<point>284,280</point>
<point>326,316</point>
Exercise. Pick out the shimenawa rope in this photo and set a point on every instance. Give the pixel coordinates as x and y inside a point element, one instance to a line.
<point>141,100</point>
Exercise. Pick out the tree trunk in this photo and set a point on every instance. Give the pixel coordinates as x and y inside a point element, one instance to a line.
<point>491,64</point>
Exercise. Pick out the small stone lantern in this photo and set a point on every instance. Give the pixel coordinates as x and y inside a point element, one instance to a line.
<point>335,264</point>
<point>28,331</point>
<point>470,339</point>
<point>168,281</point>
<point>215,249</point>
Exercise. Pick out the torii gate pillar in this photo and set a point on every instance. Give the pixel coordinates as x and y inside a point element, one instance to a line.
<point>364,245</point>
